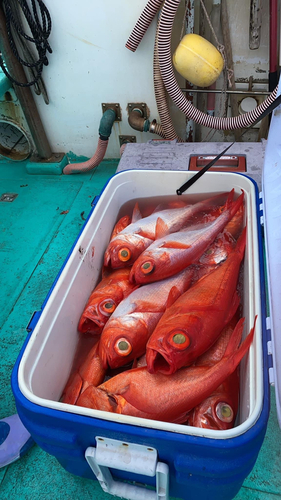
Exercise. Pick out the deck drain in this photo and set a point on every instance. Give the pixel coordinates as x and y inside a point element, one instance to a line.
<point>8,197</point>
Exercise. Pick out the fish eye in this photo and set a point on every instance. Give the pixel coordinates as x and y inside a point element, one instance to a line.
<point>123,347</point>
<point>147,267</point>
<point>124,254</point>
<point>108,306</point>
<point>224,412</point>
<point>179,339</point>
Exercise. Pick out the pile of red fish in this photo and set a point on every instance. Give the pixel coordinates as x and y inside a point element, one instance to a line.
<point>166,316</point>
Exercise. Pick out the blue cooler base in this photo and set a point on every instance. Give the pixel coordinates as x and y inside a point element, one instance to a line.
<point>200,468</point>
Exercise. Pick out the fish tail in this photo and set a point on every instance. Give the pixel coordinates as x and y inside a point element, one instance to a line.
<point>229,200</point>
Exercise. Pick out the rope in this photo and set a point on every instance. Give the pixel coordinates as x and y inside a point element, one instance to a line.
<point>40,31</point>
<point>220,47</point>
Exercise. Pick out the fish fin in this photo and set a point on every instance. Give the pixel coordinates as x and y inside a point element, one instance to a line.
<point>159,208</point>
<point>142,233</point>
<point>241,242</point>
<point>229,199</point>
<point>174,294</point>
<point>235,338</point>
<point>136,213</point>
<point>148,307</point>
<point>236,204</point>
<point>161,229</point>
<point>175,244</point>
<point>120,225</point>
<point>234,306</point>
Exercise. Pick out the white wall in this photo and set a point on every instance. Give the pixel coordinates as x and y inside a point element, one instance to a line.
<point>91,65</point>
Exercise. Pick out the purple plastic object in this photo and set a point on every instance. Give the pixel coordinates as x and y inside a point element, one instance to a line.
<point>15,440</point>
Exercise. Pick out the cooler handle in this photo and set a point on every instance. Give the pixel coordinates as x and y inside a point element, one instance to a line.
<point>128,457</point>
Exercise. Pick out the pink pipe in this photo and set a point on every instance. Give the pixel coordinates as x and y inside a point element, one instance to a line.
<point>122,149</point>
<point>76,168</point>
<point>144,21</point>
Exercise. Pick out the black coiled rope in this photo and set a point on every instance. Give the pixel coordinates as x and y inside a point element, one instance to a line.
<point>40,30</point>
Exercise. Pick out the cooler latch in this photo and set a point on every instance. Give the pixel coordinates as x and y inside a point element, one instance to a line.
<point>269,352</point>
<point>130,457</point>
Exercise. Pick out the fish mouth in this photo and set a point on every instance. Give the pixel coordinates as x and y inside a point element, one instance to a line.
<point>90,325</point>
<point>158,363</point>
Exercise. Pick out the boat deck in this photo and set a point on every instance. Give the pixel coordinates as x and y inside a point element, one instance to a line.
<point>37,231</point>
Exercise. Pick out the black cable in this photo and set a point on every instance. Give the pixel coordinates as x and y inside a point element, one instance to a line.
<point>19,40</point>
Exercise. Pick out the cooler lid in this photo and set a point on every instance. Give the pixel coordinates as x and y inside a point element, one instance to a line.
<point>271,186</point>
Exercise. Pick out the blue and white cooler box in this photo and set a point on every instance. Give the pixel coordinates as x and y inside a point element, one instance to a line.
<point>180,461</point>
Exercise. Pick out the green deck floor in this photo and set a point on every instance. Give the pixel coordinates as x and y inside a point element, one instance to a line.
<point>37,232</point>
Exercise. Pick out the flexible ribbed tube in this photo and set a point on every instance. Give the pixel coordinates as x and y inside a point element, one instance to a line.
<point>141,26</point>
<point>122,149</point>
<point>161,97</point>
<point>85,166</point>
<point>156,128</point>
<point>165,62</point>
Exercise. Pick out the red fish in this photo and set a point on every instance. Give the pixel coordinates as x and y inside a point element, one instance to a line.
<point>125,248</point>
<point>126,333</point>
<point>90,373</point>
<point>172,253</point>
<point>103,300</point>
<point>168,398</point>
<point>219,410</point>
<point>193,323</point>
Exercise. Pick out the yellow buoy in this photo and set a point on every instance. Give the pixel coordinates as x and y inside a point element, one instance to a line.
<point>197,60</point>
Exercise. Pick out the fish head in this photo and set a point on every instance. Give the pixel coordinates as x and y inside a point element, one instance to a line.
<point>103,304</point>
<point>150,265</point>
<point>217,412</point>
<point>123,340</point>
<point>173,344</point>
<point>124,250</point>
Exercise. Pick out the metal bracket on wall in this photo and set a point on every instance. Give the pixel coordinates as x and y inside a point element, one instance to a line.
<point>115,106</point>
<point>124,139</point>
<point>132,106</point>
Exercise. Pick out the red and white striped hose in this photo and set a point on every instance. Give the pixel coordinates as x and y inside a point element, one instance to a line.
<point>145,19</point>
<point>161,99</point>
<point>85,166</point>
<point>165,61</point>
